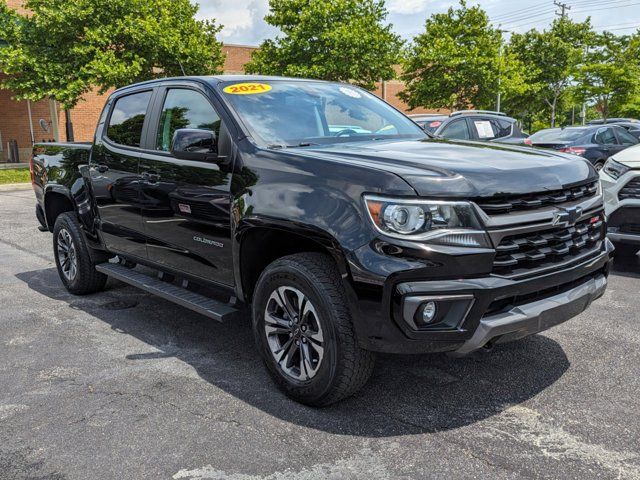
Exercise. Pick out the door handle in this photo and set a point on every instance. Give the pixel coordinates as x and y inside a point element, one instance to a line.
<point>102,168</point>
<point>151,176</point>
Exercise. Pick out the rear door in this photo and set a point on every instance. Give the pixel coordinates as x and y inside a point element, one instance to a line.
<point>607,142</point>
<point>186,203</point>
<point>625,139</point>
<point>115,178</point>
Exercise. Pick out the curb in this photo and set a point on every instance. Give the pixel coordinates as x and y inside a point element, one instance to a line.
<point>14,186</point>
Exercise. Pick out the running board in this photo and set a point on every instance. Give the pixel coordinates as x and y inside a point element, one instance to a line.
<point>194,301</point>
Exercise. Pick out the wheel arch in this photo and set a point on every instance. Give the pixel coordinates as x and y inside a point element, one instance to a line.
<point>258,246</point>
<point>56,202</point>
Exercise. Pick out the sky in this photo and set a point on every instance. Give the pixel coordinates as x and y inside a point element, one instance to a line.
<point>243,19</point>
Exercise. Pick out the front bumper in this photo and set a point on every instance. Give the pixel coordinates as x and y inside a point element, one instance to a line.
<point>502,309</point>
<point>534,317</point>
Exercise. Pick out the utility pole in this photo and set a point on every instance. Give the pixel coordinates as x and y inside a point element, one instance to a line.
<point>499,97</point>
<point>563,9</point>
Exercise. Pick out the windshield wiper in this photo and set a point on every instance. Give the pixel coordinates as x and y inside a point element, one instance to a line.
<point>301,144</point>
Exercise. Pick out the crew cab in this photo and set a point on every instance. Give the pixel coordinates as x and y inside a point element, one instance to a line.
<point>328,216</point>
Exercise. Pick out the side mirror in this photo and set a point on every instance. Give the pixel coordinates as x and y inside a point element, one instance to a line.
<point>194,144</point>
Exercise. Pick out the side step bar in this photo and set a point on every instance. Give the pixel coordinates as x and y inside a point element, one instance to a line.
<point>198,303</point>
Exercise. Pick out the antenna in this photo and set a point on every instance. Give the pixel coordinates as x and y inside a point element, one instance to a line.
<point>182,68</point>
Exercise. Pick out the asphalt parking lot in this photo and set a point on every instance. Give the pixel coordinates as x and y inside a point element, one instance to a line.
<point>122,385</point>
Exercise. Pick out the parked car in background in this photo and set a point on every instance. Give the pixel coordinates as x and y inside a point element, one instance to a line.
<point>621,186</point>
<point>424,119</point>
<point>473,125</point>
<point>593,142</point>
<point>631,125</point>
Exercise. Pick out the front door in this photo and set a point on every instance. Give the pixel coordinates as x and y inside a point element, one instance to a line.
<point>114,174</point>
<point>186,203</point>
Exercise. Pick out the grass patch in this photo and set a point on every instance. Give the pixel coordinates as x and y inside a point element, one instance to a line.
<point>15,175</point>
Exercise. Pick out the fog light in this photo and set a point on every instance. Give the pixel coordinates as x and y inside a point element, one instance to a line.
<point>429,312</point>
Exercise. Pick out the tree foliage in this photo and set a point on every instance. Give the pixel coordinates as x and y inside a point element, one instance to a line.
<point>341,40</point>
<point>458,62</point>
<point>551,58</point>
<point>64,48</point>
<point>610,74</point>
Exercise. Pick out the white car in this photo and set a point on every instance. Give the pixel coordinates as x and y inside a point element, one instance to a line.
<point>620,178</point>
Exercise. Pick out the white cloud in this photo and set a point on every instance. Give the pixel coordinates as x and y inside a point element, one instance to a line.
<point>243,20</point>
<point>406,7</point>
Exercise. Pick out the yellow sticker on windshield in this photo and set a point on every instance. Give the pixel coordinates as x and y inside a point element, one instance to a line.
<point>247,88</point>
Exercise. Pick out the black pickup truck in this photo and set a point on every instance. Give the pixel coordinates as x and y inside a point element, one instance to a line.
<point>332,217</point>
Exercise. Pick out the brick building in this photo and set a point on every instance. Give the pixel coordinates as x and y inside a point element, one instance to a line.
<point>25,122</point>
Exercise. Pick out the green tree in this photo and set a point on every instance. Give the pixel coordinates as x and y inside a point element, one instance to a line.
<point>64,48</point>
<point>551,58</point>
<point>342,40</point>
<point>458,61</point>
<point>610,75</point>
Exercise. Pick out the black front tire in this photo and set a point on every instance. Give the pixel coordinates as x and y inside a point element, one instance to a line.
<point>345,367</point>
<point>83,279</point>
<point>626,250</point>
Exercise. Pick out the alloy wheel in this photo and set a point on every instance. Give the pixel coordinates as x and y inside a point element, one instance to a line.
<point>294,333</point>
<point>67,257</point>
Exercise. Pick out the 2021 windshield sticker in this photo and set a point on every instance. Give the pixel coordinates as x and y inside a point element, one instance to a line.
<point>246,88</point>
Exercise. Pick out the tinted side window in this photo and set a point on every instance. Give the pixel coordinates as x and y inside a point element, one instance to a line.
<point>127,118</point>
<point>485,129</point>
<point>457,130</point>
<point>625,137</point>
<point>605,136</point>
<point>502,128</point>
<point>185,109</point>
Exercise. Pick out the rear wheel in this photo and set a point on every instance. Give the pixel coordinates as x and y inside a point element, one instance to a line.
<point>626,250</point>
<point>76,266</point>
<point>599,164</point>
<point>304,331</point>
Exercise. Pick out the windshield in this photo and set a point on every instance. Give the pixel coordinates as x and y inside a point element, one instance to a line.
<point>299,113</point>
<point>557,135</point>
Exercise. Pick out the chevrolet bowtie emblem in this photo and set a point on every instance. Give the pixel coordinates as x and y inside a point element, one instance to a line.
<point>567,216</point>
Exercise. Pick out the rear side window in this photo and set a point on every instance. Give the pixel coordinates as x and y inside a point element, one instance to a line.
<point>625,137</point>
<point>127,118</point>
<point>605,136</point>
<point>457,130</point>
<point>502,128</point>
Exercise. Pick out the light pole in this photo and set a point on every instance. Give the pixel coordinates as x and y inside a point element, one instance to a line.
<point>499,97</point>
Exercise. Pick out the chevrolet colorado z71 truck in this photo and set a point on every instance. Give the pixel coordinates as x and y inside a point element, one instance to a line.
<point>334,217</point>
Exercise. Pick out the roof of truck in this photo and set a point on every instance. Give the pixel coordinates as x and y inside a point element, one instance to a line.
<point>215,79</point>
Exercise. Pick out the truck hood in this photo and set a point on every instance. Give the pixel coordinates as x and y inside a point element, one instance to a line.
<point>446,168</point>
<point>629,157</point>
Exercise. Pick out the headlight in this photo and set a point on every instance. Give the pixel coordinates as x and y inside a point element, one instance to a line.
<point>433,221</point>
<point>614,169</point>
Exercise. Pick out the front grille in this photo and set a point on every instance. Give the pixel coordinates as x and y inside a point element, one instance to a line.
<point>545,249</point>
<point>631,190</point>
<point>501,205</point>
